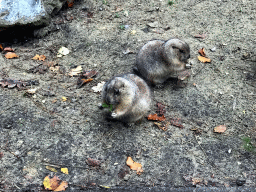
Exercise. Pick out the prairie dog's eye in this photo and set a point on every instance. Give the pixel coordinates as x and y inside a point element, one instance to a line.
<point>116,91</point>
<point>182,51</point>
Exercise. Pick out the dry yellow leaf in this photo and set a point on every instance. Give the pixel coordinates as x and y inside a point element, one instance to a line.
<point>204,59</point>
<point>134,165</point>
<point>220,129</point>
<point>64,99</point>
<point>64,170</point>
<point>75,71</point>
<point>10,55</point>
<point>39,57</point>
<point>51,168</point>
<point>54,184</point>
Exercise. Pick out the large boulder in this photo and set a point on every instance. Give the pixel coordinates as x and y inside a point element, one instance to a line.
<point>23,12</point>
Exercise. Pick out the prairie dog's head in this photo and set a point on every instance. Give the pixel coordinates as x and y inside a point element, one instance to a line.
<point>177,52</point>
<point>114,90</point>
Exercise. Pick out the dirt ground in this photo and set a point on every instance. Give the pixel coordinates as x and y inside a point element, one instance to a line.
<point>46,129</point>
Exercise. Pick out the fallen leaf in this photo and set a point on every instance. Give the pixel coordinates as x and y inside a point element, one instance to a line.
<point>196,180</point>
<point>51,184</point>
<point>81,82</point>
<point>64,99</point>
<point>155,117</point>
<point>202,52</point>
<point>39,57</point>
<point>1,155</point>
<point>8,49</point>
<point>63,51</point>
<point>93,162</point>
<point>134,165</point>
<point>54,100</point>
<point>76,71</point>
<point>70,3</point>
<point>10,55</point>
<point>220,129</point>
<point>204,59</point>
<point>1,47</point>
<point>99,87</point>
<point>62,186</point>
<point>194,84</point>
<point>54,184</point>
<point>64,170</point>
<point>51,168</point>
<point>31,91</point>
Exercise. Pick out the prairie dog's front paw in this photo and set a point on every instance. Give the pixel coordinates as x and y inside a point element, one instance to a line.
<point>113,115</point>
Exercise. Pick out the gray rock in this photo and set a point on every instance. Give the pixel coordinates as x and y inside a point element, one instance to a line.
<point>22,12</point>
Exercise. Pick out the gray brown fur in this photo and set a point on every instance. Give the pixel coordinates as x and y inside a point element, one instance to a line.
<point>129,95</point>
<point>159,60</point>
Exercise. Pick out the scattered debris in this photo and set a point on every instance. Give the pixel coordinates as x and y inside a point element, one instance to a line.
<point>86,77</point>
<point>99,87</point>
<point>123,171</point>
<point>155,117</point>
<point>64,99</point>
<point>93,162</point>
<point>70,3</point>
<point>31,91</point>
<point>160,108</point>
<point>176,122</point>
<point>76,71</point>
<point>42,69</point>
<point>128,51</point>
<point>11,55</point>
<point>202,52</point>
<point>10,83</point>
<point>133,32</point>
<point>220,129</point>
<point>62,51</point>
<point>184,75</point>
<point>39,57</point>
<point>204,59</point>
<point>196,131</point>
<point>162,125</point>
<point>54,184</point>
<point>202,36</point>
<point>64,170</point>
<point>134,165</point>
<point>54,69</point>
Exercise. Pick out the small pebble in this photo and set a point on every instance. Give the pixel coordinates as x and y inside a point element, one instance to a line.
<point>240,181</point>
<point>213,49</point>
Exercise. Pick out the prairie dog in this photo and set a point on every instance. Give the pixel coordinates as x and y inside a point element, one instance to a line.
<point>159,60</point>
<point>129,96</point>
